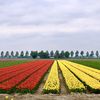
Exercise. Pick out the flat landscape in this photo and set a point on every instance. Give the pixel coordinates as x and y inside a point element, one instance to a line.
<point>94,63</point>
<point>49,49</point>
<point>50,79</point>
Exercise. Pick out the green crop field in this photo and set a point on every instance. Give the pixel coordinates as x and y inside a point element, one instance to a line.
<point>94,63</point>
<point>11,63</point>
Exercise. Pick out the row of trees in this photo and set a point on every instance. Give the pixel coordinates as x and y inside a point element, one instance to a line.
<point>17,54</point>
<point>51,54</point>
<point>65,54</point>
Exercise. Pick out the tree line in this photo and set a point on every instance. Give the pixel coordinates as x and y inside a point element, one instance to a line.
<point>13,54</point>
<point>46,54</point>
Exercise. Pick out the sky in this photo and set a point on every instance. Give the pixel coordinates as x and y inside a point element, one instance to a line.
<point>49,25</point>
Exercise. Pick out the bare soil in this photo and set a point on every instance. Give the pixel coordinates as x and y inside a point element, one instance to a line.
<point>52,97</point>
<point>64,89</point>
<point>39,90</point>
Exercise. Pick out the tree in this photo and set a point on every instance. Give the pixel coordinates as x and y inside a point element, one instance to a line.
<point>92,54</point>
<point>97,54</point>
<point>12,54</point>
<point>67,54</point>
<point>2,54</point>
<point>7,54</point>
<point>43,54</point>
<point>22,54</point>
<point>47,54</point>
<point>57,55</point>
<point>87,54</point>
<point>72,54</point>
<point>82,53</point>
<point>27,54</point>
<point>62,54</point>
<point>77,53</point>
<point>17,54</point>
<point>52,54</point>
<point>34,54</point>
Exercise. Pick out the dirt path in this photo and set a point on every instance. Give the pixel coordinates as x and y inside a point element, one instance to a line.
<point>52,97</point>
<point>63,88</point>
<point>39,90</point>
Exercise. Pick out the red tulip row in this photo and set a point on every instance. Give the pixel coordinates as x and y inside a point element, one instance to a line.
<point>21,77</point>
<point>20,69</point>
<point>34,79</point>
<point>14,68</point>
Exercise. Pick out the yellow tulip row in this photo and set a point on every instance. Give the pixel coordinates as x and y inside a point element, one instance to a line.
<point>52,84</point>
<point>86,70</point>
<point>91,83</point>
<point>71,81</point>
<point>89,68</point>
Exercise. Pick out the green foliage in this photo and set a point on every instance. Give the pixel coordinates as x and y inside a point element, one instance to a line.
<point>92,54</point>
<point>97,54</point>
<point>57,54</point>
<point>11,63</point>
<point>7,54</point>
<point>77,54</point>
<point>27,54</point>
<point>82,53</point>
<point>62,54</point>
<point>2,54</point>
<point>12,54</point>
<point>51,53</point>
<point>87,54</point>
<point>17,54</point>
<point>67,54</point>
<point>43,54</point>
<point>91,63</point>
<point>22,54</point>
<point>34,54</point>
<point>72,53</point>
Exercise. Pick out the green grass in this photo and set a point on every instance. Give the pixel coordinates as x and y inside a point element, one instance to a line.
<point>11,63</point>
<point>94,63</point>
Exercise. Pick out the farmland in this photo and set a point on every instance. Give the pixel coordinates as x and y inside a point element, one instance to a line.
<point>26,76</point>
<point>6,63</point>
<point>49,76</point>
<point>95,63</point>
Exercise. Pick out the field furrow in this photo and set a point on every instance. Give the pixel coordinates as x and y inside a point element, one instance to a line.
<point>34,79</point>
<point>64,77</point>
<point>85,70</point>
<point>17,79</point>
<point>71,81</point>
<point>92,84</point>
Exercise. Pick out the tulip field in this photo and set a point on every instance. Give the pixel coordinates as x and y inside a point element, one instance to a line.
<point>26,77</point>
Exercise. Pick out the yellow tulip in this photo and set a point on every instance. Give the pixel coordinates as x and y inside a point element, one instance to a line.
<point>52,84</point>
<point>6,97</point>
<point>87,79</point>
<point>71,81</point>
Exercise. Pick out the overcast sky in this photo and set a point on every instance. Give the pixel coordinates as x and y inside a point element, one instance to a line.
<point>49,25</point>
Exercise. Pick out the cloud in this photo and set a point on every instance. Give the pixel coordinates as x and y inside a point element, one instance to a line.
<point>37,19</point>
